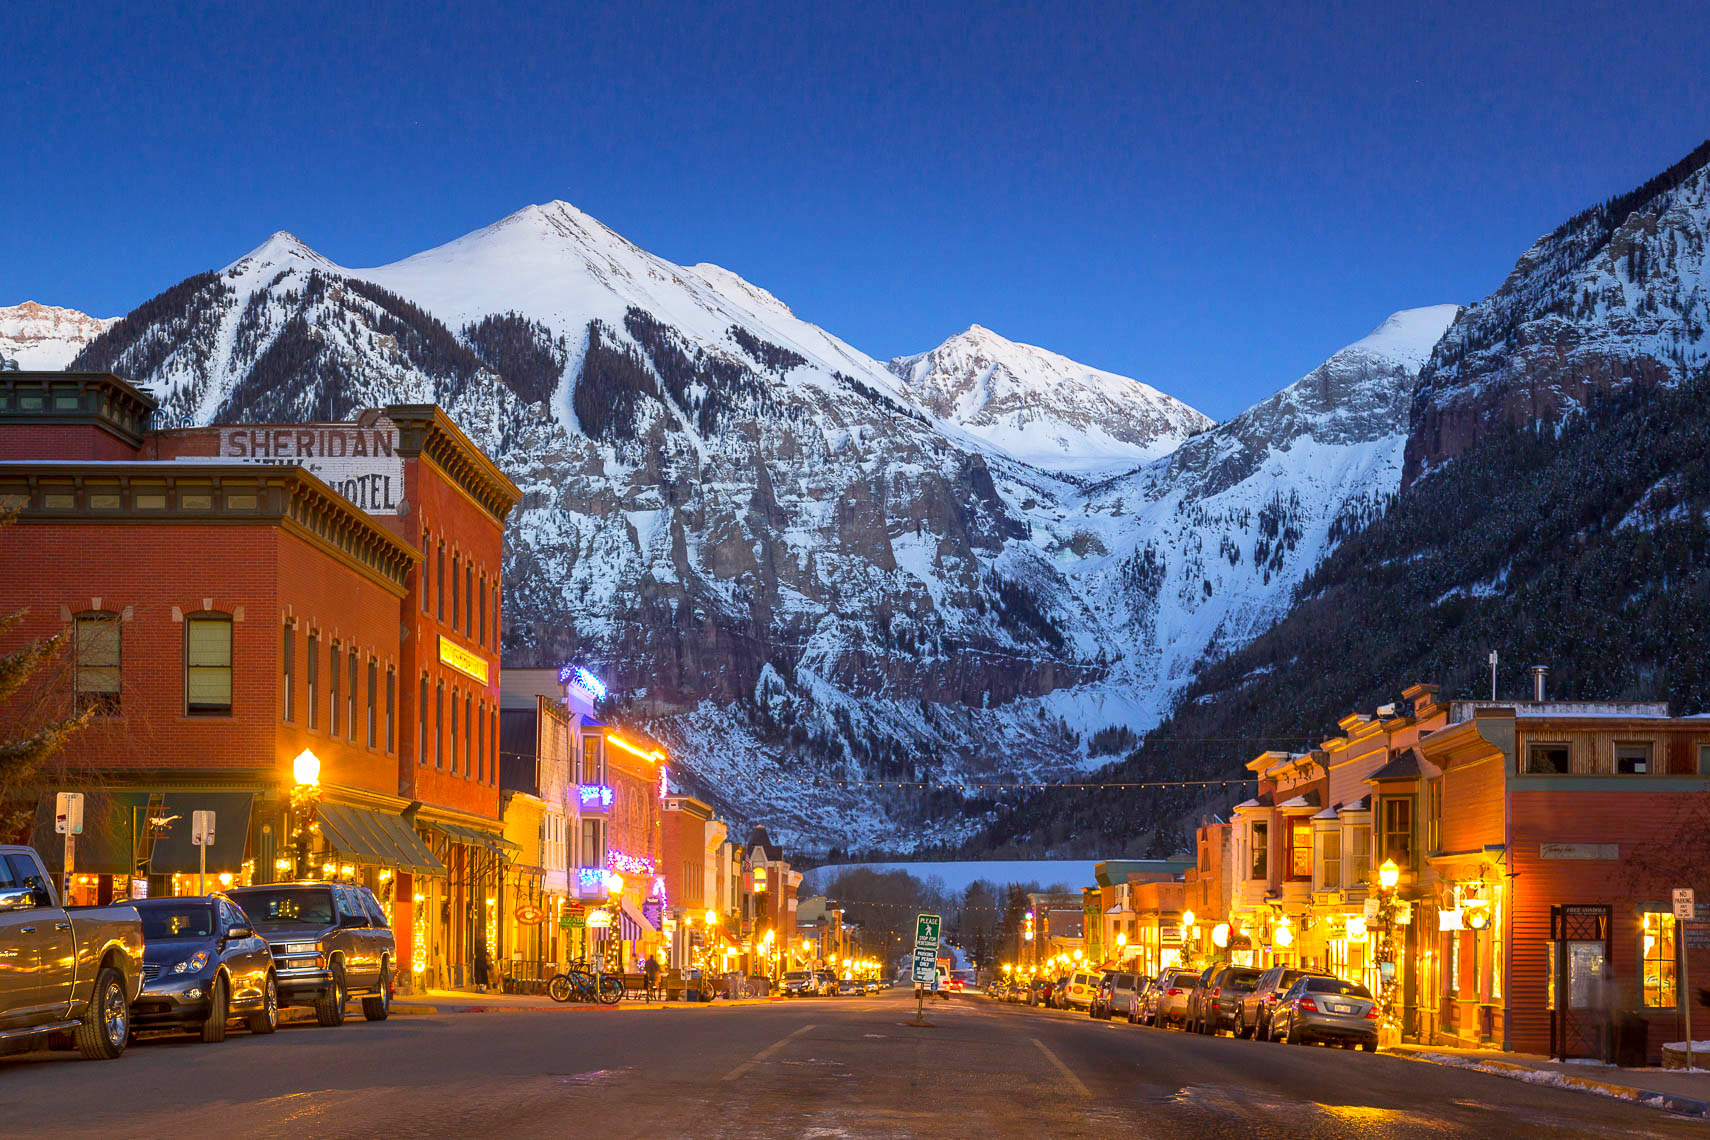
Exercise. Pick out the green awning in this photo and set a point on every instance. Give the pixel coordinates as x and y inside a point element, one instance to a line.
<point>375,837</point>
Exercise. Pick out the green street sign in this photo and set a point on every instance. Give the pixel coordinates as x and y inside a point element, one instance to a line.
<point>926,929</point>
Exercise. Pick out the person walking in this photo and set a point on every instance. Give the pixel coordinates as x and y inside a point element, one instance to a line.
<point>482,965</point>
<point>651,971</point>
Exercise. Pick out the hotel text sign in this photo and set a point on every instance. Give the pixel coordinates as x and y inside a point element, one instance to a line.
<point>360,463</point>
<point>465,662</point>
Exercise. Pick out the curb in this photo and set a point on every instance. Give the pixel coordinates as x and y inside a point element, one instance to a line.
<point>1672,1102</point>
<point>421,1009</point>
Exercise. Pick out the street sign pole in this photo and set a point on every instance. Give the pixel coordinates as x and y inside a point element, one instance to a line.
<point>1685,910</point>
<point>925,969</point>
<point>68,821</point>
<point>202,835</point>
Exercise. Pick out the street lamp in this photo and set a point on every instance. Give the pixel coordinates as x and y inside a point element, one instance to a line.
<point>305,799</point>
<point>1388,875</point>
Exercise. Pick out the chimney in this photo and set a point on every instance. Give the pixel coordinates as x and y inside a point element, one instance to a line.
<point>1538,673</point>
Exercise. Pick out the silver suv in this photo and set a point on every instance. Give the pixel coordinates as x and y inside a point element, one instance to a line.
<point>331,942</point>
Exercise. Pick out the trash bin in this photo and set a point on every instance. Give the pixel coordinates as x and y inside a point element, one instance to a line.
<point>1631,1040</point>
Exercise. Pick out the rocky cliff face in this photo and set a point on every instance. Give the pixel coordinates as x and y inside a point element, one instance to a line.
<point>1045,409</point>
<point>1618,295</point>
<point>44,337</point>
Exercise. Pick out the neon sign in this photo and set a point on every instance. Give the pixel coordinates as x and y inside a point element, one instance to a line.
<point>582,679</point>
<point>590,881</point>
<point>594,796</point>
<point>631,864</point>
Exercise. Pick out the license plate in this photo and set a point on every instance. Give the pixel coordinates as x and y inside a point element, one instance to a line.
<point>1337,1007</point>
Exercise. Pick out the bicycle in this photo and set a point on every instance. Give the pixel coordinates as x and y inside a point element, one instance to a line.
<point>579,984</point>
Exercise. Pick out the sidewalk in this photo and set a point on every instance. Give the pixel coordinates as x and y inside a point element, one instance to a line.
<point>1670,1089</point>
<point>469,1001</point>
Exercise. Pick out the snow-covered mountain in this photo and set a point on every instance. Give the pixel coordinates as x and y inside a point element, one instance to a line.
<point>44,337</point>
<point>809,574</point>
<point>1045,409</point>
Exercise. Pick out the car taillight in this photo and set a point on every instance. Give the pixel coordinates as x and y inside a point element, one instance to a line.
<point>1174,991</point>
<point>1372,1014</point>
<point>1309,1005</point>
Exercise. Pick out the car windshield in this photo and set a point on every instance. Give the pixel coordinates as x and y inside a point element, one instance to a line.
<point>171,920</point>
<point>288,907</point>
<point>796,976</point>
<point>1336,986</point>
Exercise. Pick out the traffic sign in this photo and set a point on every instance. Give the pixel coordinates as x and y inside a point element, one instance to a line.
<point>925,966</point>
<point>202,828</point>
<point>68,813</point>
<point>1684,907</point>
<point>926,930</point>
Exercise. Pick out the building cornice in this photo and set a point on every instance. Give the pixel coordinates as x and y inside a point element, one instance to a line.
<point>424,430</point>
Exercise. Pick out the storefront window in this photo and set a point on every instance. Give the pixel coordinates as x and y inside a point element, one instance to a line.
<point>1658,958</point>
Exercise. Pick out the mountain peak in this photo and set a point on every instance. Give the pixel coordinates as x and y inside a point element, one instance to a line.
<point>46,337</point>
<point>1409,335</point>
<point>281,247</point>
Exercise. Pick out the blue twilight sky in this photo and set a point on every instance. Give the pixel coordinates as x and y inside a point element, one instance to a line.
<point>1210,198</point>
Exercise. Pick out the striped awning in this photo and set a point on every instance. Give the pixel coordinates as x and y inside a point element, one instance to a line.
<point>632,924</point>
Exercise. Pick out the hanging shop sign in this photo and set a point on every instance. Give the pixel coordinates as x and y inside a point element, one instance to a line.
<point>360,463</point>
<point>599,919</point>
<point>528,914</point>
<point>456,657</point>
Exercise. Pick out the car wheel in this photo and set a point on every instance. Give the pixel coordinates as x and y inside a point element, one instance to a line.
<point>107,1025</point>
<point>266,1019</point>
<point>1368,1046</point>
<point>379,1007</point>
<point>219,1011</point>
<point>329,1007</point>
<point>1240,1029</point>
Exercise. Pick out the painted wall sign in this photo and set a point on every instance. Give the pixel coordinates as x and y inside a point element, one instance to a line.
<point>1600,851</point>
<point>360,463</point>
<point>468,663</point>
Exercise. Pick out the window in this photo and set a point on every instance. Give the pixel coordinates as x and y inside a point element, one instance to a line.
<point>97,663</point>
<point>468,735</point>
<point>350,695</point>
<point>1704,759</point>
<point>454,732</point>
<point>421,724</point>
<point>208,665</point>
<point>1547,759</point>
<point>496,627</point>
<point>1360,853</point>
<point>1300,849</point>
<point>422,577</point>
<point>373,703</point>
<point>289,679</point>
<point>1398,830</point>
<point>481,745</point>
<point>1632,759</point>
<point>593,853</point>
<point>1330,860</point>
<point>1260,868</point>
<point>391,709</point>
<point>1656,951</point>
<point>333,672</point>
<point>493,746</point>
<point>439,725</point>
<point>1452,965</point>
<point>481,604</point>
<point>314,677</point>
<point>456,595</point>
<point>468,599</point>
<point>439,582</point>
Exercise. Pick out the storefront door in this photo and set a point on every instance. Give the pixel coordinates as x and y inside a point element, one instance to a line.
<point>1579,1017</point>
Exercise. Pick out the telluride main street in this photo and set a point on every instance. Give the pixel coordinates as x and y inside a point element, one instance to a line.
<point>813,1067</point>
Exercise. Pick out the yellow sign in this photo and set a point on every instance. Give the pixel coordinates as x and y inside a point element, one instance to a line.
<point>469,664</point>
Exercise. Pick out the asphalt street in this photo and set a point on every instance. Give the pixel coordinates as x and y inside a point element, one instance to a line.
<point>804,1068</point>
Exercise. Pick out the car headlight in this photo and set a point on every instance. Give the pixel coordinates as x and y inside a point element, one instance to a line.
<point>193,964</point>
<point>301,947</point>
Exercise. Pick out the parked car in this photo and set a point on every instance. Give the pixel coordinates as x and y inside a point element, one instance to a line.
<point>825,983</point>
<point>1197,989</point>
<point>1253,1015</point>
<point>849,987</point>
<point>798,983</point>
<point>1329,1010</point>
<point>66,970</point>
<point>1167,1003</point>
<point>1136,1010</point>
<point>1217,1006</point>
<point>1115,988</point>
<point>203,964</point>
<point>1039,993</point>
<point>330,941</point>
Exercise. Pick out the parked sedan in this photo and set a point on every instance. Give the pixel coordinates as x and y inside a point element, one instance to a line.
<point>203,965</point>
<point>1253,1014</point>
<point>1328,1010</point>
<point>798,983</point>
<point>1168,989</point>
<point>1192,1004</point>
<point>1217,1005</point>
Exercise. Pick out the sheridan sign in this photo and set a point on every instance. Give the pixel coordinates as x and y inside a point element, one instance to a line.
<point>360,463</point>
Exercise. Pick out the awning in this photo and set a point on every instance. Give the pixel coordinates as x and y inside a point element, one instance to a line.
<point>173,850</point>
<point>632,924</point>
<point>486,840</point>
<point>375,837</point>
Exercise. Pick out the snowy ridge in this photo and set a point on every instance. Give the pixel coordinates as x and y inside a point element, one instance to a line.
<point>45,337</point>
<point>1044,409</point>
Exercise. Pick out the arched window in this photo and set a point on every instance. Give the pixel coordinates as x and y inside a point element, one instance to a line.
<point>97,663</point>
<point>208,664</point>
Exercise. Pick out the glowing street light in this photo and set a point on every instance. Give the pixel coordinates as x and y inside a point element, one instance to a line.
<point>1389,875</point>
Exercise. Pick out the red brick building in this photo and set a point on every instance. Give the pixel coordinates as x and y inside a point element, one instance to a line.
<point>240,595</point>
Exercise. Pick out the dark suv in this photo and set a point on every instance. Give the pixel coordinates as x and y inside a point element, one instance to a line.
<point>330,942</point>
<point>1218,1004</point>
<point>1253,1010</point>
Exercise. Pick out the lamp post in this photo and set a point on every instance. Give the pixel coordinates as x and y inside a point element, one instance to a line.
<point>305,799</point>
<point>614,894</point>
<point>1389,877</point>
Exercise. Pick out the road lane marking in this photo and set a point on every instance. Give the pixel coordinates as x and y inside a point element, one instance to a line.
<point>1068,1074</point>
<point>764,1054</point>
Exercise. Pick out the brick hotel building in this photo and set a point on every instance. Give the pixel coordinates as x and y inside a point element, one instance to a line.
<point>238,595</point>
